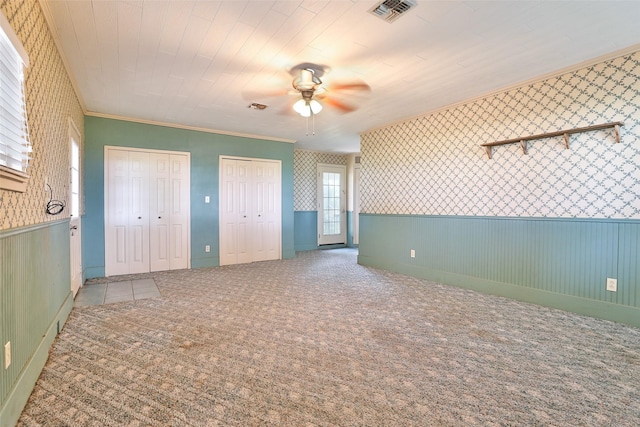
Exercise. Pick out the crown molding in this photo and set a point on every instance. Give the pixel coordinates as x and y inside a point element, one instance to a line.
<point>186,127</point>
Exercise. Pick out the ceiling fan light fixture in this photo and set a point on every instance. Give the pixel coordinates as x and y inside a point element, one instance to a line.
<point>307,107</point>
<point>300,106</point>
<point>315,106</point>
<point>306,112</point>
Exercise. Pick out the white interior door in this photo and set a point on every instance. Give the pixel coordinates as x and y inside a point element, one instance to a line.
<point>127,212</point>
<point>75,223</point>
<point>332,198</point>
<point>180,211</point>
<point>159,211</point>
<point>117,212</point>
<point>267,207</point>
<point>234,212</point>
<point>147,210</point>
<point>138,212</point>
<point>250,210</point>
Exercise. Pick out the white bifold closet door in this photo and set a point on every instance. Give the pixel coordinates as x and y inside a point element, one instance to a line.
<point>126,212</point>
<point>147,211</point>
<point>250,210</point>
<point>168,211</point>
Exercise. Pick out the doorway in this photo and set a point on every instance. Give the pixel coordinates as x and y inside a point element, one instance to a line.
<point>75,223</point>
<point>332,198</point>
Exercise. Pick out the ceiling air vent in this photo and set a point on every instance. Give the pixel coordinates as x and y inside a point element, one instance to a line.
<point>390,10</point>
<point>256,106</point>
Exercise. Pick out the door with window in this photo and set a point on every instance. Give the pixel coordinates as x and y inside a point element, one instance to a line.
<point>75,226</point>
<point>332,197</point>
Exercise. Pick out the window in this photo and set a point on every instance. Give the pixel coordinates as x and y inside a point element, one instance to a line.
<point>331,196</point>
<point>14,135</point>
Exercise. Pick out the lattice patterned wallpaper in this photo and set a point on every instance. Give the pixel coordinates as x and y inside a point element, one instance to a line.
<point>51,100</point>
<point>434,165</point>
<point>304,176</point>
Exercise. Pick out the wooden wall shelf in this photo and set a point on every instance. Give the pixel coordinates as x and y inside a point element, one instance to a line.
<point>523,140</point>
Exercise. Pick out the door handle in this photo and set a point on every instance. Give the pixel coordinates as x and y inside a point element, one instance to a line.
<point>75,227</point>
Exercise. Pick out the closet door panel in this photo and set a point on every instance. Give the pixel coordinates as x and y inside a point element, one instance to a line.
<point>138,242</point>
<point>243,217</point>
<point>228,246</point>
<point>267,216</point>
<point>180,211</point>
<point>116,221</point>
<point>159,212</point>
<point>228,212</point>
<point>120,247</point>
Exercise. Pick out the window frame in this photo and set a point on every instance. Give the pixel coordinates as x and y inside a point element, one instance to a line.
<point>10,178</point>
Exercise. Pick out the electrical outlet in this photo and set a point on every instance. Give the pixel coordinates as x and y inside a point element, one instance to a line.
<point>612,284</point>
<point>7,355</point>
<point>413,253</point>
<point>207,248</point>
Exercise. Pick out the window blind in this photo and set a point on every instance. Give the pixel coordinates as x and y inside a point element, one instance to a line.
<point>15,147</point>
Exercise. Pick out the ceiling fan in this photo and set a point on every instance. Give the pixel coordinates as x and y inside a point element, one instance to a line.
<point>313,93</point>
<point>308,84</point>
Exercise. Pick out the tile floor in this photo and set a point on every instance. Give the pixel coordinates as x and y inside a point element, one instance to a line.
<point>107,293</point>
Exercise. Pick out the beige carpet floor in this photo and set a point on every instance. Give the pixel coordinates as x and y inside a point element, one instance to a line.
<point>321,341</point>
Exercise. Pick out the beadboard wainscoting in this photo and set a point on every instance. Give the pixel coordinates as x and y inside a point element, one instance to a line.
<point>35,301</point>
<point>560,263</point>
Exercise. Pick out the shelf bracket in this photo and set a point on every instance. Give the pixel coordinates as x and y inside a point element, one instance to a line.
<point>523,145</point>
<point>564,133</point>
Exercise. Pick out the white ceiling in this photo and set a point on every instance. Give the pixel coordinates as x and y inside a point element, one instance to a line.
<point>201,63</point>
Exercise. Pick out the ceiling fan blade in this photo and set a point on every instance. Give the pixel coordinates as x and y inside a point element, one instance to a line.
<point>350,85</point>
<point>287,109</point>
<point>341,106</point>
